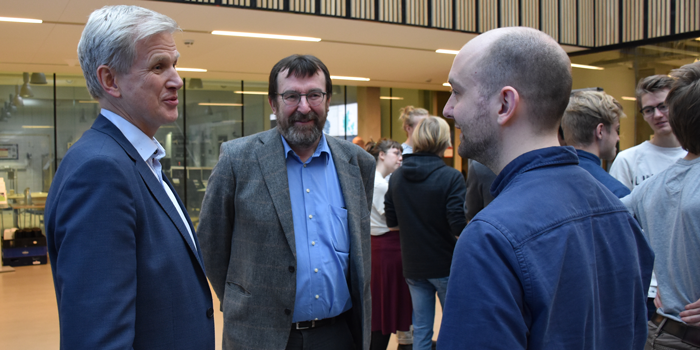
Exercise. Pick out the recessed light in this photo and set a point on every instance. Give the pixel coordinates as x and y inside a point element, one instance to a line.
<point>627,98</point>
<point>447,84</point>
<point>182,69</point>
<point>37,127</point>
<point>220,104</point>
<point>88,101</point>
<point>586,66</point>
<point>449,52</point>
<point>20,20</point>
<point>390,98</point>
<point>266,36</point>
<point>251,92</point>
<point>339,77</point>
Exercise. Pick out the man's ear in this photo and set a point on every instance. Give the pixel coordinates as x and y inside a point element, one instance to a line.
<point>273,104</point>
<point>599,131</point>
<point>108,81</point>
<point>509,101</point>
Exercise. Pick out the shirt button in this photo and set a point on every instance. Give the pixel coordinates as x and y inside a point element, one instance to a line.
<point>313,242</point>
<point>308,190</point>
<point>316,270</point>
<point>316,296</point>
<point>287,311</point>
<point>311,216</point>
<point>291,269</point>
<point>316,319</point>
<point>304,165</point>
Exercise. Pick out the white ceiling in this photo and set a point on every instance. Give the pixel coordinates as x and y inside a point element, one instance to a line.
<point>390,55</point>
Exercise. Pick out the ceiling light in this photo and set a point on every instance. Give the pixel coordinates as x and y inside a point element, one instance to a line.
<point>627,98</point>
<point>266,36</point>
<point>17,101</point>
<point>38,78</point>
<point>251,92</point>
<point>181,69</point>
<point>19,20</point>
<point>338,77</point>
<point>449,52</point>
<point>220,104</point>
<point>446,84</point>
<point>37,127</point>
<point>88,101</point>
<point>26,91</point>
<point>196,83</point>
<point>390,98</point>
<point>586,66</point>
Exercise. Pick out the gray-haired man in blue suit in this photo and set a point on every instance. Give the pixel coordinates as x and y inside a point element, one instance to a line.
<point>284,226</point>
<point>126,263</point>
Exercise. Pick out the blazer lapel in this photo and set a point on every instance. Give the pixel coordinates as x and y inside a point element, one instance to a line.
<point>102,124</point>
<point>273,166</point>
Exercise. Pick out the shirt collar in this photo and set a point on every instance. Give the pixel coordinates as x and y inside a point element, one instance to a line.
<point>146,146</point>
<point>588,155</point>
<point>540,158</point>
<point>321,148</point>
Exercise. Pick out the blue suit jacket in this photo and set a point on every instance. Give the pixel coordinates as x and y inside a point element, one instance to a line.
<point>125,272</point>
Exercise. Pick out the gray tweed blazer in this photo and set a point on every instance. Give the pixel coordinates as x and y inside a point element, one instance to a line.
<point>246,235</point>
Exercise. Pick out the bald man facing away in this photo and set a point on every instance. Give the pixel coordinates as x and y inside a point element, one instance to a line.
<point>559,262</point>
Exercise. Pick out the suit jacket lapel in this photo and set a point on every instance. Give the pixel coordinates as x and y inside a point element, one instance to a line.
<point>102,124</point>
<point>273,166</point>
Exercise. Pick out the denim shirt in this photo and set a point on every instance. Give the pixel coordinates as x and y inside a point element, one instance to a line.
<point>321,235</point>
<point>554,262</point>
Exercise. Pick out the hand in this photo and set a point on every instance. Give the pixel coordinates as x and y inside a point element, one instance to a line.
<point>691,315</point>
<point>657,300</point>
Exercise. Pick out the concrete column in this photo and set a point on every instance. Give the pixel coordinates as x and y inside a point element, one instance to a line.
<point>369,121</point>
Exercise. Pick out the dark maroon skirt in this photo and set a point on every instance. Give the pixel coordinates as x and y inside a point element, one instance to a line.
<point>391,300</point>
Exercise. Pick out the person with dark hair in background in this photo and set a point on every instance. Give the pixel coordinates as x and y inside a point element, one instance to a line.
<point>555,261</point>
<point>425,201</point>
<point>591,125</point>
<point>126,263</point>
<point>391,300</point>
<point>285,225</point>
<point>668,208</point>
<point>410,117</point>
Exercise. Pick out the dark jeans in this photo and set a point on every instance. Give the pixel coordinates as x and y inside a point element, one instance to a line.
<point>335,336</point>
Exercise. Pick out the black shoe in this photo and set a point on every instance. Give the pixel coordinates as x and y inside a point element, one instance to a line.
<point>434,344</point>
<point>405,347</point>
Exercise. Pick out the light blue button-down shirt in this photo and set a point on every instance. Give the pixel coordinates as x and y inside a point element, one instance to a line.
<point>321,235</point>
<point>151,151</point>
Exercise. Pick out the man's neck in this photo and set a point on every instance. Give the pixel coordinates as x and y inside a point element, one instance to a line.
<point>691,156</point>
<point>665,140</point>
<point>516,148</point>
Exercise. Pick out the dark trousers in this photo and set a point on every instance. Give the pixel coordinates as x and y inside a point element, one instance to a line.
<point>334,336</point>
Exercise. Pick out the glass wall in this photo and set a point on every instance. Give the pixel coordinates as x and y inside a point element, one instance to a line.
<point>211,113</point>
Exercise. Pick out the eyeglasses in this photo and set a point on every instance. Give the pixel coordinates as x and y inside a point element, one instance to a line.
<point>648,111</point>
<point>292,98</point>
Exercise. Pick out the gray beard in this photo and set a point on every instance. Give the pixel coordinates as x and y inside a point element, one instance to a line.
<point>299,135</point>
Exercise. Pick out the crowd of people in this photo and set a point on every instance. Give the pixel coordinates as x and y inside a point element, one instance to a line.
<point>311,242</point>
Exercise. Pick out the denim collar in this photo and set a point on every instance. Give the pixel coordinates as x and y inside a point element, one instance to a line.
<point>540,158</point>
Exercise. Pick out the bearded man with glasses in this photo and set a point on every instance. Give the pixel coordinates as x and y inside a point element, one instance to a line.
<point>285,225</point>
<point>636,164</point>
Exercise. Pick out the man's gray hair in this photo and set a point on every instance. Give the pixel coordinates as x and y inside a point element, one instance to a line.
<point>110,37</point>
<point>536,66</point>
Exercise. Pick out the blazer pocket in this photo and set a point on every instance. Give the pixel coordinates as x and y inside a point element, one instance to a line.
<point>339,225</point>
<point>238,288</point>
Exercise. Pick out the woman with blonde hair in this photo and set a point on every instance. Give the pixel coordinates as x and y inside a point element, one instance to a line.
<point>410,117</point>
<point>391,300</point>
<point>425,201</point>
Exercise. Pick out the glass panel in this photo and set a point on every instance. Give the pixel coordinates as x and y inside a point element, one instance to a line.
<point>26,134</point>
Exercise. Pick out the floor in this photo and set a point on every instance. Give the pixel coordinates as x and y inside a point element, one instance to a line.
<point>29,318</point>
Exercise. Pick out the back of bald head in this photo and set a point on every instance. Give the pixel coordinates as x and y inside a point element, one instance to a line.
<point>535,65</point>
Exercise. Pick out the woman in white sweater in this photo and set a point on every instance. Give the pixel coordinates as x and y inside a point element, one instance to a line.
<point>391,299</point>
